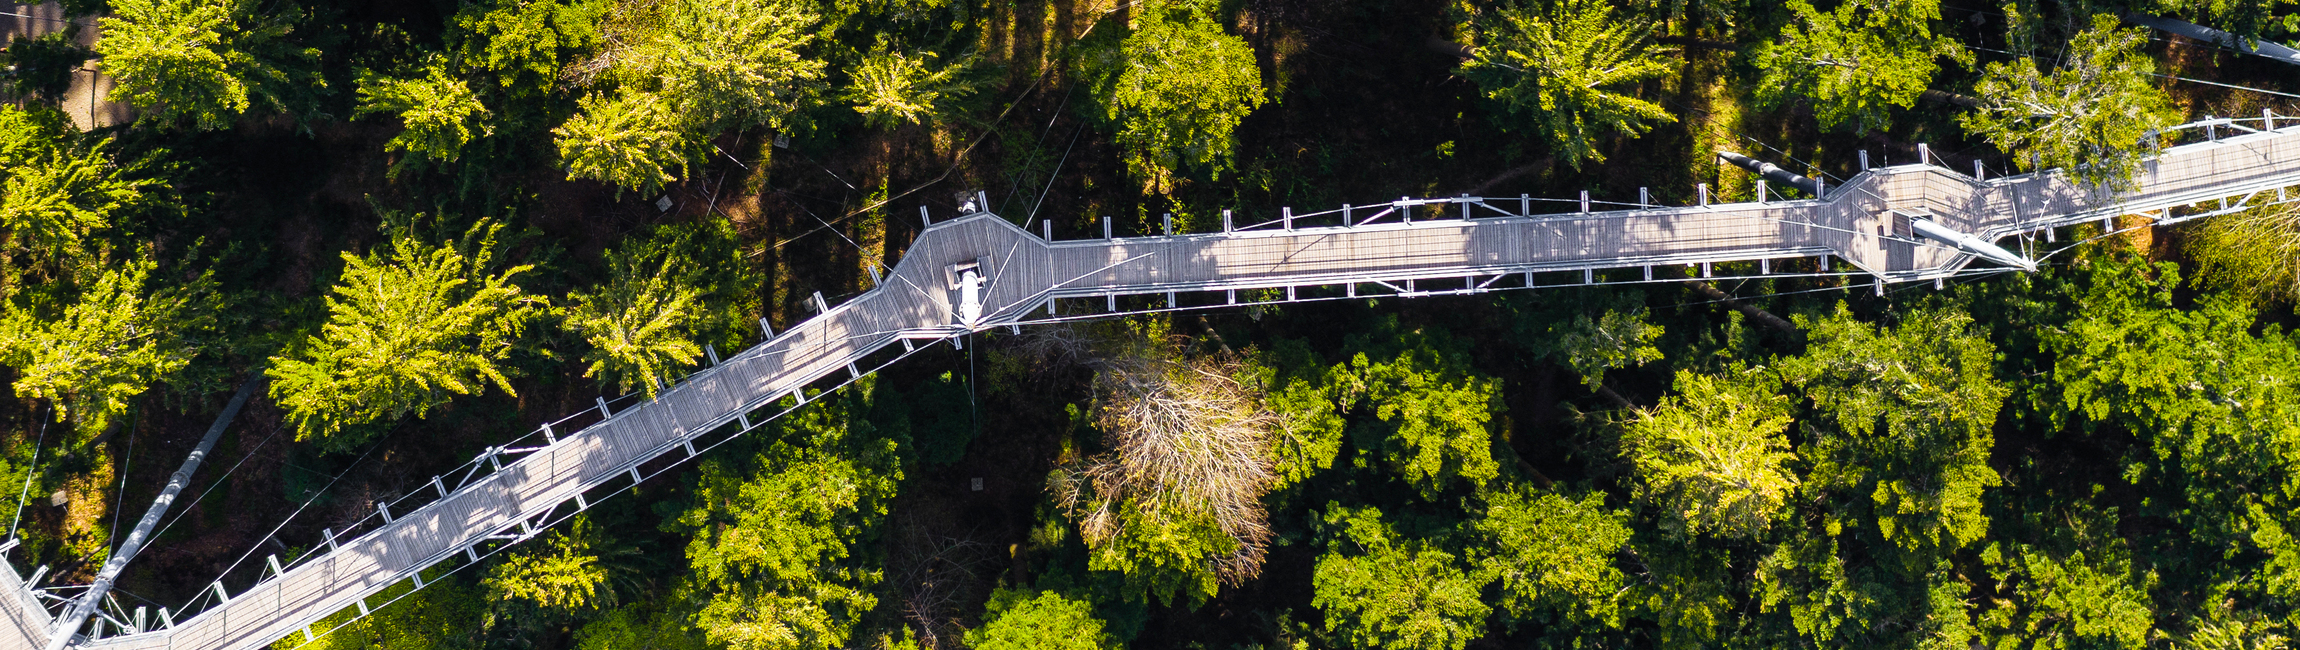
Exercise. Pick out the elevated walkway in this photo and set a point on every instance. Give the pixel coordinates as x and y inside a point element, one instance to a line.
<point>504,500</point>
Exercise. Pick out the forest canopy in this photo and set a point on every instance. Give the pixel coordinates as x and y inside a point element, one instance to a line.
<point>438,244</point>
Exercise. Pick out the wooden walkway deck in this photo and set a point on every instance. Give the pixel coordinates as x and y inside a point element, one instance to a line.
<point>1023,272</point>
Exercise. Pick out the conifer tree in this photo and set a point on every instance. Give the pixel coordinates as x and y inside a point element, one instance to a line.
<point>639,322</point>
<point>1569,70</point>
<point>114,340</point>
<point>2095,114</point>
<point>892,88</point>
<point>439,112</point>
<point>202,62</point>
<point>55,191</point>
<point>1855,63</point>
<point>408,327</point>
<point>676,73</point>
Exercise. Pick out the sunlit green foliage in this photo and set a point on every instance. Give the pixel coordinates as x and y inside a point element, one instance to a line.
<point>1379,589</point>
<point>1569,68</point>
<point>1714,456</point>
<point>1856,63</point>
<point>528,41</point>
<point>55,192</point>
<point>638,322</point>
<point>641,625</point>
<point>1552,553</point>
<point>630,139</point>
<point>1437,409</point>
<point>559,573</point>
<point>120,335</point>
<point>2069,602</point>
<point>202,62</point>
<point>683,71</point>
<point>1174,93</point>
<point>2094,114</point>
<point>1023,620</point>
<point>439,112</point>
<point>781,540</point>
<point>444,615</point>
<point>892,88</point>
<point>408,327</point>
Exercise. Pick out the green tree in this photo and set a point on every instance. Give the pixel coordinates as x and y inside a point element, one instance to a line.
<point>1857,62</point>
<point>1553,553</point>
<point>632,140</point>
<point>446,614</point>
<point>439,112</point>
<point>684,70</point>
<point>1566,69</point>
<point>1900,422</point>
<point>43,65</point>
<point>55,191</point>
<point>1379,590</point>
<point>1438,410</point>
<point>561,573</point>
<point>527,43</point>
<point>2069,602</point>
<point>1714,456</point>
<point>891,88</point>
<point>1174,91</point>
<point>781,541</point>
<point>638,323</point>
<point>2095,116</point>
<point>201,61</point>
<point>407,328</point>
<point>119,336</point>
<point>1046,620</point>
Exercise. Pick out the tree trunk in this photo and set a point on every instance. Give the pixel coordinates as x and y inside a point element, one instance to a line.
<point>1614,398</point>
<point>1750,311</point>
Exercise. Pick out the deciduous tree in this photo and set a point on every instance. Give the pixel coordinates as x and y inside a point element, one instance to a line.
<point>1714,456</point>
<point>1174,92</point>
<point>1038,620</point>
<point>1553,554</point>
<point>1379,590</point>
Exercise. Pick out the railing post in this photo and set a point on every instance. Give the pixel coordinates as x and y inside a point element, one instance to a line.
<point>1047,227</point>
<point>925,218</point>
<point>1760,191</point>
<point>1644,198</point>
<point>1977,170</point>
<point>1169,223</point>
<point>765,329</point>
<point>1105,226</point>
<point>1703,190</point>
<point>1226,225</point>
<point>1405,210</point>
<point>1924,154</point>
<point>1346,221</point>
<point>1585,201</point>
<point>385,510</point>
<point>1287,215</point>
<point>1864,160</point>
<point>603,412</point>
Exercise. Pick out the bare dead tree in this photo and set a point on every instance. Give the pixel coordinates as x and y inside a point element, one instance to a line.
<point>935,575</point>
<point>1188,439</point>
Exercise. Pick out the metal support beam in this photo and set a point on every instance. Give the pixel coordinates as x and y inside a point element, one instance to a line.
<point>68,624</point>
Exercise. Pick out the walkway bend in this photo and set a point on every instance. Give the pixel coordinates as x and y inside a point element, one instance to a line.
<point>1864,222</point>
